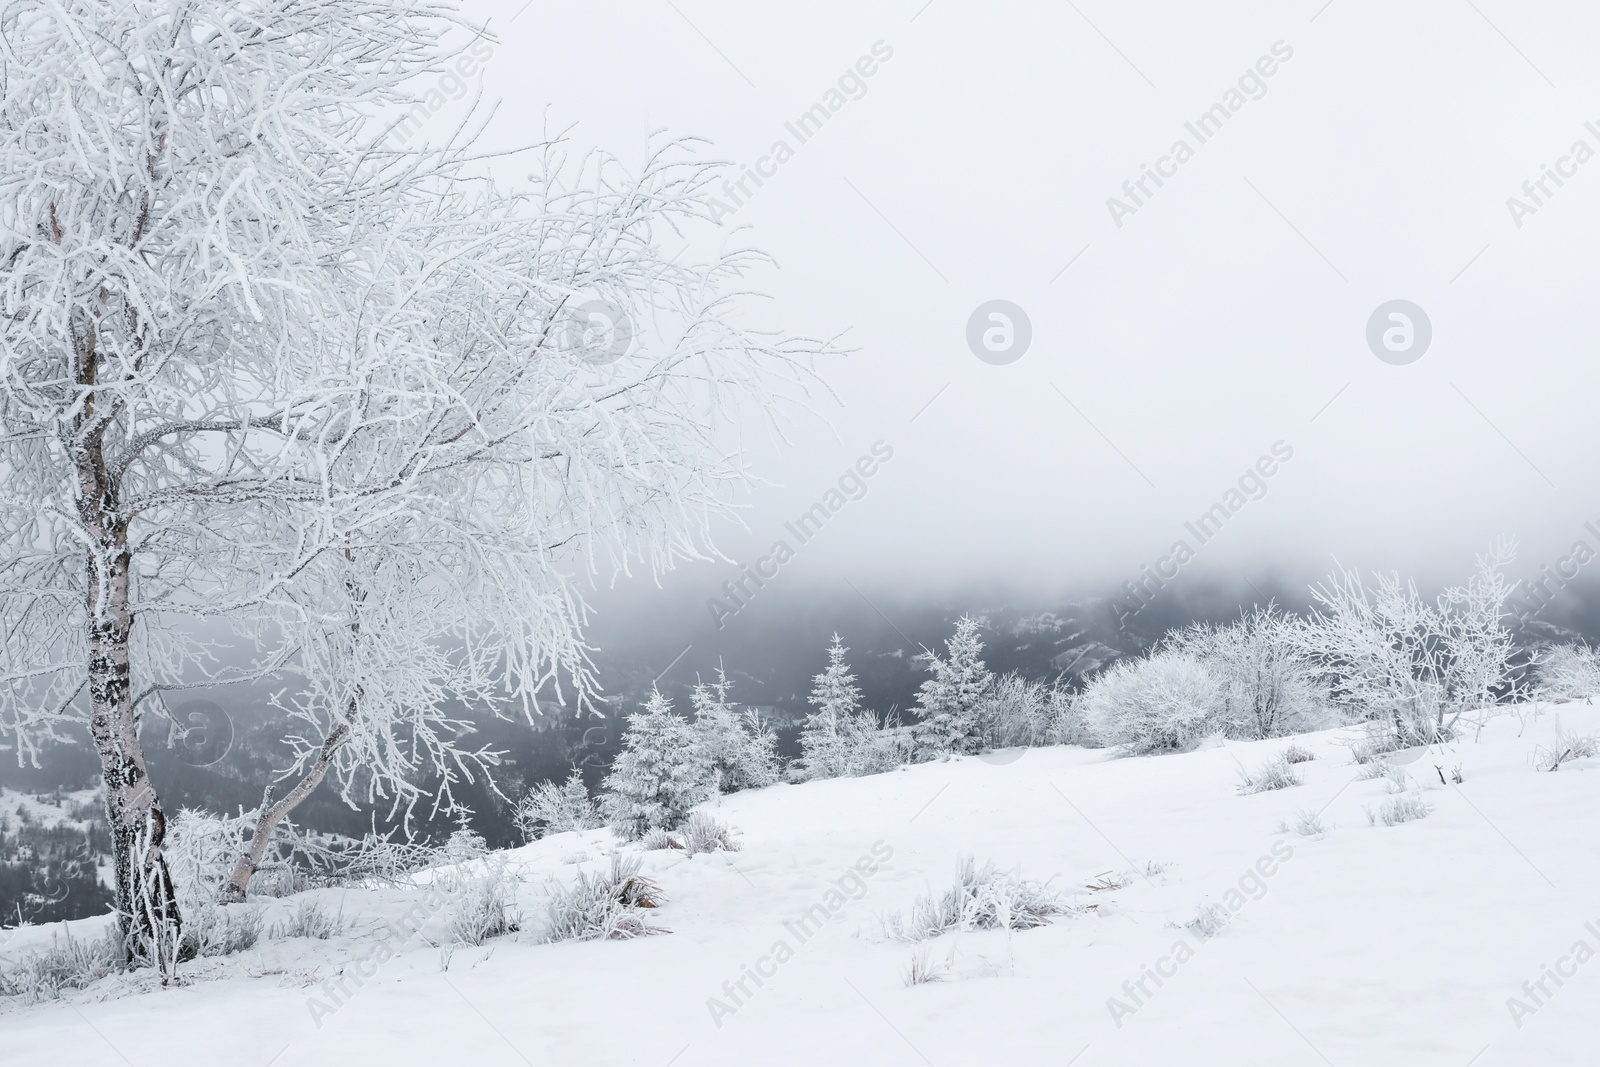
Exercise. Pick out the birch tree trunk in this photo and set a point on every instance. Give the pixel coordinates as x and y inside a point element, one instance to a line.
<point>146,907</point>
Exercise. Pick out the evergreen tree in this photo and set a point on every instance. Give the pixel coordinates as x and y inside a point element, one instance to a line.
<point>741,750</point>
<point>833,735</point>
<point>950,701</point>
<point>660,774</point>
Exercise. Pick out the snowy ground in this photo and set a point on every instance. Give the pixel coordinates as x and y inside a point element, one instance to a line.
<point>1364,945</point>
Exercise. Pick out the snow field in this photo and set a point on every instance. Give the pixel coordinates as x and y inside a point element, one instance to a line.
<point>1366,944</point>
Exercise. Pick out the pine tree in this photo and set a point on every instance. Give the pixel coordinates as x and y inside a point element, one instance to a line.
<point>833,735</point>
<point>660,774</point>
<point>950,701</point>
<point>742,751</point>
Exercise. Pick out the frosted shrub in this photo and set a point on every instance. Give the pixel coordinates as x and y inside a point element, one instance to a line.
<point>700,833</point>
<point>603,906</point>
<point>923,969</point>
<point>214,930</point>
<point>311,918</point>
<point>1274,774</point>
<point>987,899</point>
<point>484,907</point>
<point>703,833</point>
<point>554,809</point>
<point>1166,702</point>
<point>1269,687</point>
<point>1373,768</point>
<point>1017,712</point>
<point>1413,667</point>
<point>1065,724</point>
<point>200,850</point>
<point>1307,823</point>
<point>1405,807</point>
<point>1208,921</point>
<point>68,963</point>
<point>1296,753</point>
<point>1569,746</point>
<point>1569,672</point>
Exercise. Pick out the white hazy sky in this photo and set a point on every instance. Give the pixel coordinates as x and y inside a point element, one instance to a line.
<point>1224,316</point>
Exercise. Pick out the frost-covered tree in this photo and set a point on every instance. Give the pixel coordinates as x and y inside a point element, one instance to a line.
<point>741,749</point>
<point>659,775</point>
<point>1269,684</point>
<point>1017,711</point>
<point>554,809</point>
<point>1391,657</point>
<point>1165,702</point>
<point>833,736</point>
<point>950,701</point>
<point>350,412</point>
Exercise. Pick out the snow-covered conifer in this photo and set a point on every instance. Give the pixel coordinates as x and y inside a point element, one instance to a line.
<point>950,701</point>
<point>659,776</point>
<point>832,739</point>
<point>741,749</point>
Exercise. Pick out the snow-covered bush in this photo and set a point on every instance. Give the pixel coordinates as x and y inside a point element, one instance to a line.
<point>554,809</point>
<point>923,969</point>
<point>1569,672</point>
<point>950,702</point>
<point>1208,921</point>
<point>1414,667</point>
<point>987,899</point>
<point>200,850</point>
<point>603,906</point>
<point>1307,823</point>
<point>1166,702</point>
<point>1406,807</point>
<point>1297,753</point>
<point>212,929</point>
<point>483,905</point>
<point>1569,746</point>
<point>1066,724</point>
<point>1015,712</point>
<point>69,963</point>
<point>740,748</point>
<point>313,919</point>
<point>701,833</point>
<point>1372,768</point>
<point>659,776</point>
<point>1268,681</point>
<point>1277,773</point>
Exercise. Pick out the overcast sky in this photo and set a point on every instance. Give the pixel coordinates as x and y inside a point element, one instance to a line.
<point>1175,343</point>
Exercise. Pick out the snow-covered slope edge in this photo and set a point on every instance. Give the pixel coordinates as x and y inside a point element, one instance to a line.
<point>1422,943</point>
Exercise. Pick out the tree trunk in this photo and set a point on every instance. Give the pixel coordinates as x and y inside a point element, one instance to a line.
<point>146,906</point>
<point>145,903</point>
<point>272,814</point>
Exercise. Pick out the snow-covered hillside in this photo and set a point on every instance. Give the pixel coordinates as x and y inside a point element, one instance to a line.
<point>1461,938</point>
